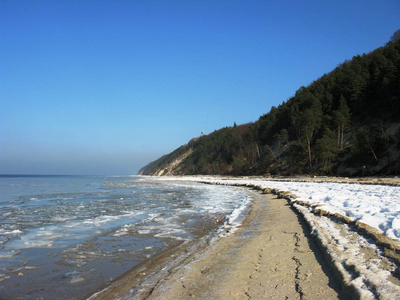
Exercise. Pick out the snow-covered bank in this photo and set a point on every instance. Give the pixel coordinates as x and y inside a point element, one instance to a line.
<point>363,265</point>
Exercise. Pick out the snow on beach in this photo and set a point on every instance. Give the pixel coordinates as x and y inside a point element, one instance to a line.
<point>365,268</point>
<point>374,205</point>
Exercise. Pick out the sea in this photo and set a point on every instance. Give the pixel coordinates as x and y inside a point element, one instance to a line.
<point>65,237</point>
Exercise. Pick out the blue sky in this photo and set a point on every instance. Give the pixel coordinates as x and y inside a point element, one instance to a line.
<point>104,87</point>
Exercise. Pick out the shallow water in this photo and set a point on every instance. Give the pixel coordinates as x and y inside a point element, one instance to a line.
<point>65,236</point>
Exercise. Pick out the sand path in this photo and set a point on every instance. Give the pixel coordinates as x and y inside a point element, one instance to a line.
<point>272,256</point>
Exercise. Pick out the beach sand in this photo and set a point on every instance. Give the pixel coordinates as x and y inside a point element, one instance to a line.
<point>271,256</point>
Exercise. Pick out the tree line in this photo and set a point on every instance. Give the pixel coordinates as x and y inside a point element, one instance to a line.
<point>344,123</point>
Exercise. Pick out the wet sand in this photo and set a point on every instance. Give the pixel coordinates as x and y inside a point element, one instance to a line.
<point>138,282</point>
<point>271,256</point>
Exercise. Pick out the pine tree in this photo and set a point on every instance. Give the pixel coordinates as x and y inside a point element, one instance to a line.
<point>325,150</point>
<point>308,119</point>
<point>342,120</point>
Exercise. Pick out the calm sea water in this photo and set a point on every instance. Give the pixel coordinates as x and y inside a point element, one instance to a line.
<point>63,237</point>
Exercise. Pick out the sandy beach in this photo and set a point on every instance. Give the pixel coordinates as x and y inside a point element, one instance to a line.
<point>286,248</point>
<point>271,256</point>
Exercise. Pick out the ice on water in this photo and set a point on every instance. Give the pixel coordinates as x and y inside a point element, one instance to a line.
<point>62,218</point>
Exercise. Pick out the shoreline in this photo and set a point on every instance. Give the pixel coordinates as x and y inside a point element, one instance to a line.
<point>271,256</point>
<point>164,271</point>
<point>184,279</point>
<point>141,279</point>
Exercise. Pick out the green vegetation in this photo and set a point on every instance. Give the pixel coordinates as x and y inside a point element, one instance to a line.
<point>345,123</point>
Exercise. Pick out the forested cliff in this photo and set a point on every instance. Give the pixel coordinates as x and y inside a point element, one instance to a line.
<point>345,123</point>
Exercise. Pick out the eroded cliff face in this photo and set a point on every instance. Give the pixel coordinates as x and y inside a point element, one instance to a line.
<point>171,168</point>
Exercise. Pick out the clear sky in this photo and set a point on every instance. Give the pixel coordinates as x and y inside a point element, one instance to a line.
<point>104,87</point>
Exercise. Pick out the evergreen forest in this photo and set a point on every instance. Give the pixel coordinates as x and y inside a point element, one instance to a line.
<point>346,123</point>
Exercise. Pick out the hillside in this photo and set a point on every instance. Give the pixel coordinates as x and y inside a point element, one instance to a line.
<point>346,123</point>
